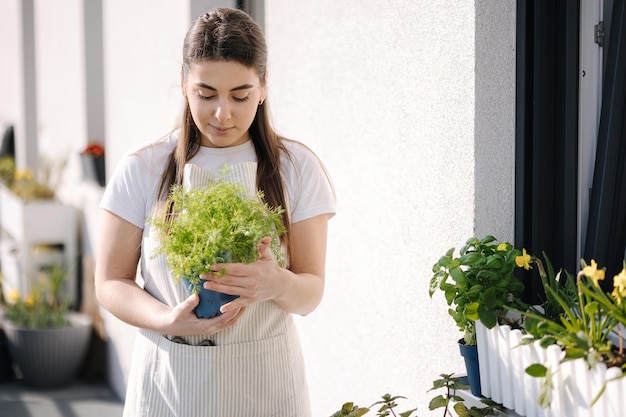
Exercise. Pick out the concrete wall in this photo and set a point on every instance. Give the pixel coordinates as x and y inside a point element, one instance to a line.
<point>410,104</point>
<point>17,80</point>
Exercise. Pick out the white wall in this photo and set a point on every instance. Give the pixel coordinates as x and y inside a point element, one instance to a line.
<point>11,81</point>
<point>142,57</point>
<point>409,103</point>
<point>60,74</point>
<point>17,83</point>
<point>386,96</point>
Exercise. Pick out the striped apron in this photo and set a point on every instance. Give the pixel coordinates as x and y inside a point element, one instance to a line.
<point>254,368</point>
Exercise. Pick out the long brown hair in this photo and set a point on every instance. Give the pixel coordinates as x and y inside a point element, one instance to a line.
<point>225,34</point>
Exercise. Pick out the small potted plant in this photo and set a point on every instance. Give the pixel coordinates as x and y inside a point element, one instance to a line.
<point>479,284</point>
<point>92,159</point>
<point>216,223</point>
<point>587,326</point>
<point>47,341</point>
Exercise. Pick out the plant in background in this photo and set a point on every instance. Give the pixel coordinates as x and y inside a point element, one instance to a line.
<point>215,224</point>
<point>29,184</point>
<point>94,149</point>
<point>387,406</point>
<point>44,306</point>
<point>452,384</point>
<point>26,186</point>
<point>479,283</point>
<point>559,289</point>
<point>448,382</point>
<point>7,170</point>
<point>584,327</point>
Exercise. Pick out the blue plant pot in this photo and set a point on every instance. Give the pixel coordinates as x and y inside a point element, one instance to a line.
<point>210,301</point>
<point>470,355</point>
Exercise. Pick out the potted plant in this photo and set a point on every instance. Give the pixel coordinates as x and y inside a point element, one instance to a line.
<point>588,326</point>
<point>480,284</point>
<point>92,160</point>
<point>46,340</point>
<point>569,351</point>
<point>216,223</point>
<point>32,216</point>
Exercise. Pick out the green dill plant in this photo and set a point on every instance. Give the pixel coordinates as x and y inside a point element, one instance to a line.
<point>217,223</point>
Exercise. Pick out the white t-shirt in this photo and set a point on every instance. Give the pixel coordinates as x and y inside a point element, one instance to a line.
<point>255,367</point>
<point>132,190</point>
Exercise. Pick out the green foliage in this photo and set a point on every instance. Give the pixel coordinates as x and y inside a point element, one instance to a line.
<point>579,317</point>
<point>479,283</point>
<point>560,294</point>
<point>44,307</point>
<point>581,328</point>
<point>215,224</point>
<point>387,405</point>
<point>29,184</point>
<point>451,384</point>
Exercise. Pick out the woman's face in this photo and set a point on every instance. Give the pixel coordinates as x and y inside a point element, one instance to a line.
<point>223,98</point>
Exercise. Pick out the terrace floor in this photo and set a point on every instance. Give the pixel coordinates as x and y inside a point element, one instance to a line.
<point>80,399</point>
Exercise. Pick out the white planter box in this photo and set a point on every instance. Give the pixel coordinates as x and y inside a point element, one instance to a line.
<point>575,386</point>
<point>27,225</point>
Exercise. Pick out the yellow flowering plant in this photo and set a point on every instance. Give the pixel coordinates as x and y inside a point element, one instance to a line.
<point>588,318</point>
<point>29,184</point>
<point>480,283</point>
<point>44,306</point>
<point>586,324</point>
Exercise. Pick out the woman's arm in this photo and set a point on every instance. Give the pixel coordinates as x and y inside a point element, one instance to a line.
<point>119,249</point>
<point>298,289</point>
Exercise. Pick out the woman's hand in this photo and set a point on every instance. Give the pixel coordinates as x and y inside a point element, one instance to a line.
<point>254,282</point>
<point>298,289</point>
<point>182,321</point>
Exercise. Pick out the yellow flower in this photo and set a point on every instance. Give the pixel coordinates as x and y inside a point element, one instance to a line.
<point>13,296</point>
<point>504,246</point>
<point>593,273</point>
<point>524,260</point>
<point>24,174</point>
<point>619,282</point>
<point>29,300</point>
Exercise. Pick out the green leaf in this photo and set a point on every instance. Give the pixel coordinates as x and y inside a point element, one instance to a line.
<point>487,317</point>
<point>537,370</point>
<point>461,410</point>
<point>438,402</point>
<point>458,276</point>
<point>470,258</point>
<point>471,311</point>
<point>494,262</point>
<point>490,300</point>
<point>435,282</point>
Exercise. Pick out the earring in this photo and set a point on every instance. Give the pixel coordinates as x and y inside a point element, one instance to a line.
<point>261,102</point>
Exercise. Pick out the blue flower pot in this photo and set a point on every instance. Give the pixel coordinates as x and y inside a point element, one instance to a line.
<point>210,301</point>
<point>470,355</point>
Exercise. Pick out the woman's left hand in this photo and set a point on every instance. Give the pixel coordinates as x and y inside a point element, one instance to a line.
<point>254,282</point>
<point>297,290</point>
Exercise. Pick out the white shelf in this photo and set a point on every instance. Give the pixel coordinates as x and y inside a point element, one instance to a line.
<point>27,226</point>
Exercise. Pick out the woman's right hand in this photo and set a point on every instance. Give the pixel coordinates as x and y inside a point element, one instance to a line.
<point>183,321</point>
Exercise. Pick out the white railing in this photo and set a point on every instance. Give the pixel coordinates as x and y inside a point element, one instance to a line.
<point>503,378</point>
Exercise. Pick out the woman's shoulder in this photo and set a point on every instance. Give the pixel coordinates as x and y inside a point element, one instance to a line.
<point>300,160</point>
<point>298,151</point>
<point>150,154</point>
<point>155,148</point>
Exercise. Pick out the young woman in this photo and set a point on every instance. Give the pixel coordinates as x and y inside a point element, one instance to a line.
<point>246,361</point>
